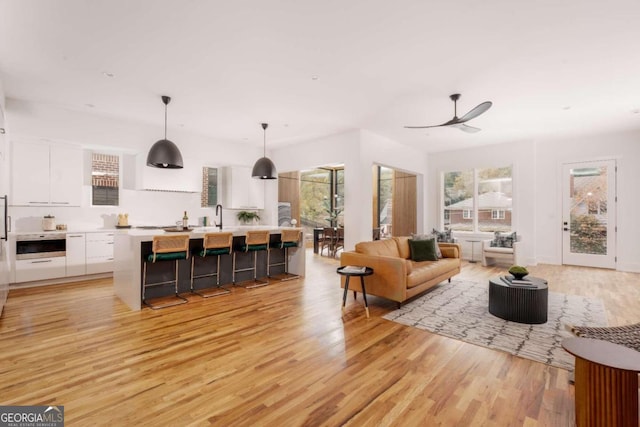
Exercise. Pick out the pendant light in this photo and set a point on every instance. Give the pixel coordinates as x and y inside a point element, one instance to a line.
<point>264,167</point>
<point>164,153</point>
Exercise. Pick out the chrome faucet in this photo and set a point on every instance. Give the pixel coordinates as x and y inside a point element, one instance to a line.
<point>219,213</point>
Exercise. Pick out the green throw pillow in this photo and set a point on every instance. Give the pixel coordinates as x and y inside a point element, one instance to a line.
<point>423,250</point>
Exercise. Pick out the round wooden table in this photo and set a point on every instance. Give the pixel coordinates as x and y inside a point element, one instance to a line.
<point>368,271</point>
<point>519,304</point>
<point>606,382</point>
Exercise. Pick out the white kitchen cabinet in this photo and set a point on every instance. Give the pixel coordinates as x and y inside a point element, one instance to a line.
<point>30,174</point>
<point>76,259</point>
<point>99,253</point>
<point>240,190</point>
<point>46,174</point>
<point>66,176</point>
<point>28,270</point>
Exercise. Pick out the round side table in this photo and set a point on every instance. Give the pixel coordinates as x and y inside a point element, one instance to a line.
<point>606,384</point>
<point>368,271</point>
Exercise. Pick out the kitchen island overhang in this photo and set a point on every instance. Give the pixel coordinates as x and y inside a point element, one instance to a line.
<point>130,246</point>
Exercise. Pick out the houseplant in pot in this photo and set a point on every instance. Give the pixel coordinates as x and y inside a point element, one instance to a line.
<point>518,271</point>
<point>247,217</point>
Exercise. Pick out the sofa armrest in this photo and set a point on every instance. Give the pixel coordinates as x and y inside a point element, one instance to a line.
<point>389,278</point>
<point>450,250</point>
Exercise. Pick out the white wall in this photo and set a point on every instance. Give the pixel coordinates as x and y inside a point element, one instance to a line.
<point>27,121</point>
<point>625,149</point>
<point>521,156</point>
<point>358,151</point>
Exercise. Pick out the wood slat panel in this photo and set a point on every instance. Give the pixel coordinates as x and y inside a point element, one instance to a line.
<point>278,355</point>
<point>289,191</point>
<point>405,208</point>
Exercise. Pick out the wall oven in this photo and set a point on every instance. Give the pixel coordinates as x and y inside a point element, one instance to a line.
<point>46,245</point>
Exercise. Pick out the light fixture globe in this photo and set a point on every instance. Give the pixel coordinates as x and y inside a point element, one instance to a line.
<point>165,154</point>
<point>264,167</point>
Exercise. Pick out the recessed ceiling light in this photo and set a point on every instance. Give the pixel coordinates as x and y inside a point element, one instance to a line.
<point>566,107</point>
<point>286,125</point>
<point>108,74</point>
<point>89,105</point>
<point>181,125</point>
<point>314,77</point>
<point>635,111</point>
<point>245,139</point>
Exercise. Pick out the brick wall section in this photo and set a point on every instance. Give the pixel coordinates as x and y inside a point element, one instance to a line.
<point>204,198</point>
<point>105,171</point>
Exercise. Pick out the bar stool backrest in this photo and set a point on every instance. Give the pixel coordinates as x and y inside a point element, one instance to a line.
<point>170,243</point>
<point>290,236</point>
<point>217,240</point>
<point>257,237</point>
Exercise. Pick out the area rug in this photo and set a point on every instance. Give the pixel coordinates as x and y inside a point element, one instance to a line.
<point>459,310</point>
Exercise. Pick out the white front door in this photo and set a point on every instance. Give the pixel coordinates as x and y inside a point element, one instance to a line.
<point>589,214</point>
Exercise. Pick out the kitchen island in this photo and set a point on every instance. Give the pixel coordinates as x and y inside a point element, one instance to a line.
<point>132,245</point>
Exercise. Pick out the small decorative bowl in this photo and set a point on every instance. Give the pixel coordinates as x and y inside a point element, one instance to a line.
<point>518,272</point>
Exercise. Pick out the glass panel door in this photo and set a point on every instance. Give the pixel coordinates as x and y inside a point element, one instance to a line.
<point>589,214</point>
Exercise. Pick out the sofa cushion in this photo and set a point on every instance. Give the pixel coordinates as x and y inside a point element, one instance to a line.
<point>503,241</point>
<point>444,236</point>
<point>387,247</point>
<point>403,246</point>
<point>423,250</point>
<point>426,270</point>
<point>415,236</point>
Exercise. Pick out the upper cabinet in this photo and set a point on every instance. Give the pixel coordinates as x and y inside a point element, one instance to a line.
<point>46,174</point>
<point>139,176</point>
<point>239,190</point>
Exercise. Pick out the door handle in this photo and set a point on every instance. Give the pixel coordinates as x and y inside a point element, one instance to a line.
<point>565,229</point>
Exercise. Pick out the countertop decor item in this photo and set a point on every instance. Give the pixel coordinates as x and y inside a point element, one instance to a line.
<point>49,223</point>
<point>164,153</point>
<point>247,217</point>
<point>264,167</point>
<point>518,271</point>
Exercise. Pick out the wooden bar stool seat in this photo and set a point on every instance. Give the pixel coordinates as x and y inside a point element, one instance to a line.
<point>288,239</point>
<point>213,245</point>
<point>254,241</point>
<point>166,248</point>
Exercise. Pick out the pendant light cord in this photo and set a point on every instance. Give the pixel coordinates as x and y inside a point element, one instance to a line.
<point>264,143</point>
<point>165,121</point>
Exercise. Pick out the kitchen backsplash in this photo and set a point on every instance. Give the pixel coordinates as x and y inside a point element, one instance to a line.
<point>143,207</point>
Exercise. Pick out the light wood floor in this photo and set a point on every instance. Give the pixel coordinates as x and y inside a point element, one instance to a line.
<point>279,355</point>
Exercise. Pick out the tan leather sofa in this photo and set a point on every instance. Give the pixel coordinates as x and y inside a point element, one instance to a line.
<point>395,276</point>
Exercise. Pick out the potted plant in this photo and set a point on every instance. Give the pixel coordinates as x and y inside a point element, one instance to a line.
<point>518,271</point>
<point>247,217</point>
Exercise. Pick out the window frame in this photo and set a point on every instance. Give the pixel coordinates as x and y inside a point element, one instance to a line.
<point>120,185</point>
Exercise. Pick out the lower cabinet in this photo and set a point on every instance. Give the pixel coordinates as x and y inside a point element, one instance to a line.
<point>99,255</point>
<point>28,270</point>
<point>76,261</point>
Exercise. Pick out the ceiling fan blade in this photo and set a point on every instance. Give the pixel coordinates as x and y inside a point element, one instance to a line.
<point>466,128</point>
<point>425,127</point>
<point>479,109</point>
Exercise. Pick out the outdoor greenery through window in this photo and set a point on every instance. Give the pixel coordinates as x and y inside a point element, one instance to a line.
<point>478,200</point>
<point>105,179</point>
<point>321,198</point>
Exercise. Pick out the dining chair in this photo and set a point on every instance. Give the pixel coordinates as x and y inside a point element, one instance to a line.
<point>328,240</point>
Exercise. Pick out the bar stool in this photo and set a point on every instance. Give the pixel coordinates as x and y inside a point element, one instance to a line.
<point>288,239</point>
<point>166,248</point>
<point>254,241</point>
<point>213,244</point>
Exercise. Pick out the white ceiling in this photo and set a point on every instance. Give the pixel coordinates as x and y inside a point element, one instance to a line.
<point>552,68</point>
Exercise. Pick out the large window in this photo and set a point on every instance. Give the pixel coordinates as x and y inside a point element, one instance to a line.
<point>105,179</point>
<point>478,200</point>
<point>321,198</point>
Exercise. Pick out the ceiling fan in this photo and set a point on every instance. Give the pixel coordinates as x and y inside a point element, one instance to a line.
<point>459,122</point>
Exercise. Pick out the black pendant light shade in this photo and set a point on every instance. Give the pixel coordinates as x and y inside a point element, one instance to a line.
<point>164,153</point>
<point>264,167</point>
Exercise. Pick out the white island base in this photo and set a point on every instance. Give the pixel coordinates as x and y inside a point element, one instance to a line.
<point>127,274</point>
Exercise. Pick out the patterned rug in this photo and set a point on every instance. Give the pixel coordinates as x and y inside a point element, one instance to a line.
<point>460,310</point>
